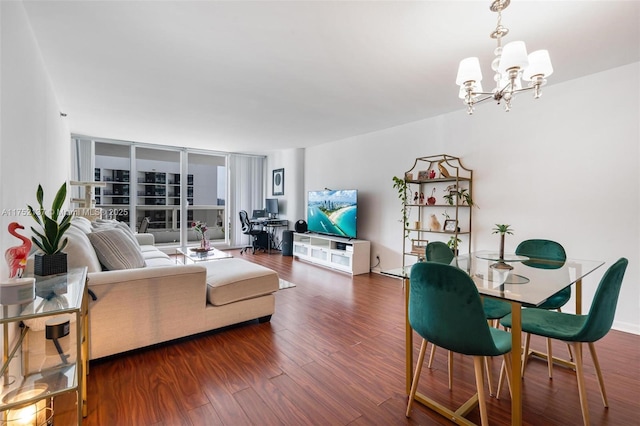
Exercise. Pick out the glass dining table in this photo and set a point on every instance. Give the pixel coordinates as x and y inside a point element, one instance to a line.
<point>515,279</point>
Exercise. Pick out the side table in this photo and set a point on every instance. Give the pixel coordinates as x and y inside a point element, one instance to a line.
<point>44,368</point>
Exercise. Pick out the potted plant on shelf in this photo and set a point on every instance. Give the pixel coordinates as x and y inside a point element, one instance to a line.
<point>460,194</point>
<point>453,244</point>
<point>49,239</point>
<point>502,230</point>
<point>403,193</point>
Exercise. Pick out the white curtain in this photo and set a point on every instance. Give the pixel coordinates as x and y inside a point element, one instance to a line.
<point>246,192</point>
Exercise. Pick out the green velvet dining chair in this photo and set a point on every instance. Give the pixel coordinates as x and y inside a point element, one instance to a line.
<point>437,251</point>
<point>445,309</point>
<point>578,329</point>
<point>544,254</point>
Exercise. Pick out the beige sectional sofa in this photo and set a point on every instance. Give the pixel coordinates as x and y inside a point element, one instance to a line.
<point>161,300</point>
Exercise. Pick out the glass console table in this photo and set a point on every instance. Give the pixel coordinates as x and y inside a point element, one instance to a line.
<point>38,367</point>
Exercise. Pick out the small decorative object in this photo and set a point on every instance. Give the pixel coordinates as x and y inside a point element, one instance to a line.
<point>408,176</point>
<point>415,198</point>
<point>421,198</point>
<point>450,225</point>
<point>434,223</point>
<point>49,240</point>
<point>417,224</point>
<point>502,230</point>
<point>16,256</point>
<point>432,174</point>
<point>444,173</point>
<point>200,228</point>
<point>278,182</point>
<point>432,200</point>
<point>423,175</point>
<point>419,247</point>
<point>16,291</point>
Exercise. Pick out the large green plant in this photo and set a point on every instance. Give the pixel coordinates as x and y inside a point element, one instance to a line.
<point>403,193</point>
<point>53,223</point>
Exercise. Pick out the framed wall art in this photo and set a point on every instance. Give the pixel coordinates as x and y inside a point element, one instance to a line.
<point>278,182</point>
<point>450,225</point>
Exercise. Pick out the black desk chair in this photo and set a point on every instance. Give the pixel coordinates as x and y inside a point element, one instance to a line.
<point>248,229</point>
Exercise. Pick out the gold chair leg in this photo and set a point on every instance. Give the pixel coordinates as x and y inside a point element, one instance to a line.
<point>549,358</point>
<point>500,379</point>
<point>416,376</point>
<point>432,355</point>
<point>478,367</point>
<point>488,373</point>
<point>525,353</point>
<point>450,368</point>
<point>596,363</point>
<point>577,353</point>
<point>507,366</point>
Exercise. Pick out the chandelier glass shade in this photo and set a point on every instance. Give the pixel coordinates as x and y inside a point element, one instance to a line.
<point>510,65</point>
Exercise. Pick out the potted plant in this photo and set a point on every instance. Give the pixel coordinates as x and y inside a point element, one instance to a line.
<point>453,244</point>
<point>403,193</point>
<point>502,230</point>
<point>460,194</point>
<point>49,239</point>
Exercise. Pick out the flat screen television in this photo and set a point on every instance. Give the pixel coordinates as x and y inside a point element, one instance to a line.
<point>333,212</point>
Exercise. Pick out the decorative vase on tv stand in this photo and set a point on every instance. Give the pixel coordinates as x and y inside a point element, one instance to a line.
<point>50,260</point>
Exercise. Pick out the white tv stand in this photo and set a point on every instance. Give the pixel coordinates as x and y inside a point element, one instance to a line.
<point>343,254</point>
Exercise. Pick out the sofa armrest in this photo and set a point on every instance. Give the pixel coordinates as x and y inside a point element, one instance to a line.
<point>168,273</point>
<point>145,239</point>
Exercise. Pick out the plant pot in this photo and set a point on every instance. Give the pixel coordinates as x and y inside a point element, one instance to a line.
<point>50,264</point>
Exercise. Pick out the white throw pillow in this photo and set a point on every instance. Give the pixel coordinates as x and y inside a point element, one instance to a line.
<point>115,250</point>
<point>79,250</point>
<point>103,224</point>
<point>81,223</point>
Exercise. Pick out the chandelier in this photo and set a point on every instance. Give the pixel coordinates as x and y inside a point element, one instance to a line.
<point>510,65</point>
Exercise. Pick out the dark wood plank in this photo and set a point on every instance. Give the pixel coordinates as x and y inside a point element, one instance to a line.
<point>333,353</point>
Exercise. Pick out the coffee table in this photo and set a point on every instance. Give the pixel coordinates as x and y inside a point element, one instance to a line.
<point>196,255</point>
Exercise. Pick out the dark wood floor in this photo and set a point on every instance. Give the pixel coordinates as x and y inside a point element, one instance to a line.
<point>333,354</point>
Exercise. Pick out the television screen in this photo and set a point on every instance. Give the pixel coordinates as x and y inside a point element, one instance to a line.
<point>333,212</point>
<point>271,206</point>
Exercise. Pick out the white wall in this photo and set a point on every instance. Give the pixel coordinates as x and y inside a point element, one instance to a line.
<point>34,139</point>
<point>292,204</point>
<point>563,167</point>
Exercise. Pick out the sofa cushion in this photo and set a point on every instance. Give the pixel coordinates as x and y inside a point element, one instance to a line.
<point>115,250</point>
<point>79,250</point>
<point>81,223</point>
<point>104,224</point>
<point>231,280</point>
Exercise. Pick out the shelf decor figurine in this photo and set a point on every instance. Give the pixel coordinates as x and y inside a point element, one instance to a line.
<point>432,200</point>
<point>16,256</point>
<point>51,260</point>
<point>434,223</point>
<point>502,230</point>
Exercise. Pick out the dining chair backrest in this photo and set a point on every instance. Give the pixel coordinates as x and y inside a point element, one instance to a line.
<point>437,251</point>
<point>544,250</point>
<point>603,306</point>
<point>446,310</point>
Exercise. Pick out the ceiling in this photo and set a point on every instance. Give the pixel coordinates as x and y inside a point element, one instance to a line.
<point>245,76</point>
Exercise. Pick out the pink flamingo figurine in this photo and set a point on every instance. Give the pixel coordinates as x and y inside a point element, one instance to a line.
<point>17,256</point>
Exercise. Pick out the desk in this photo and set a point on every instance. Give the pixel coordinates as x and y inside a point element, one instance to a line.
<point>522,284</point>
<point>271,225</point>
